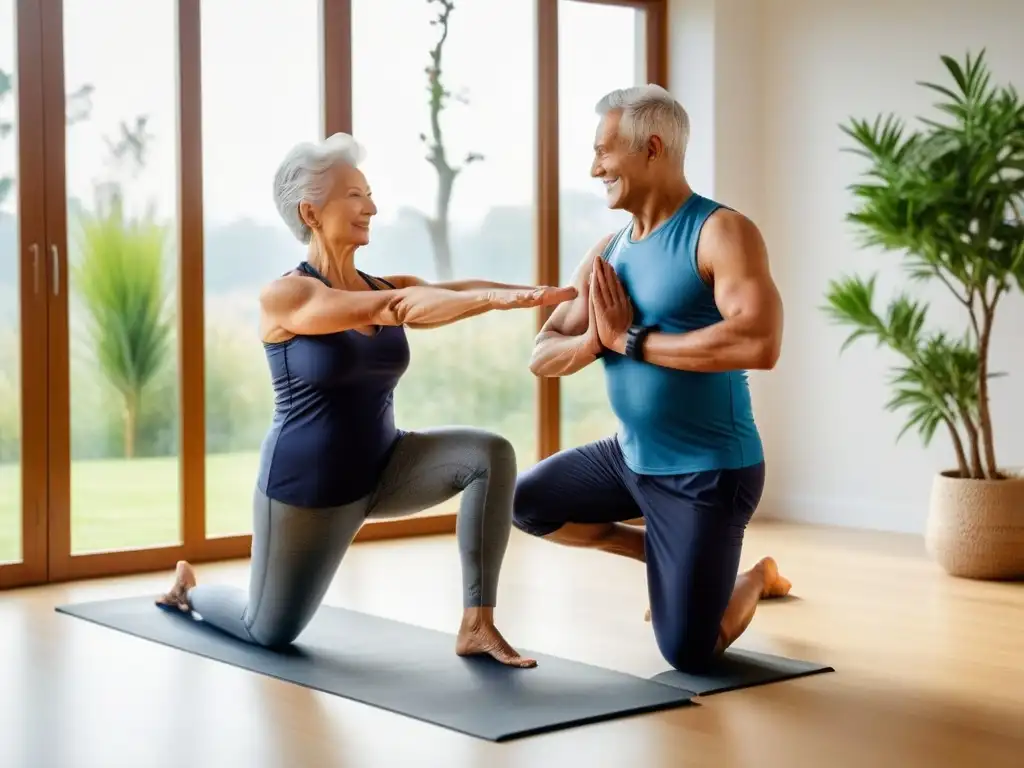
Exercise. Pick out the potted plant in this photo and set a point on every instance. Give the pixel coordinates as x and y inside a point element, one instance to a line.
<point>948,196</point>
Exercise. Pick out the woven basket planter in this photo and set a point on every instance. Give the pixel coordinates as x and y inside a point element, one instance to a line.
<point>976,527</point>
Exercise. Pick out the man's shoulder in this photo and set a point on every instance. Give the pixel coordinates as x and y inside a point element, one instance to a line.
<point>728,228</point>
<point>727,220</point>
<point>727,235</point>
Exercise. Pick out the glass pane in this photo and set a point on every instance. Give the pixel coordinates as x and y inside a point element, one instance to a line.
<point>249,123</point>
<point>474,372</point>
<point>10,304</point>
<point>122,255</point>
<point>586,73</point>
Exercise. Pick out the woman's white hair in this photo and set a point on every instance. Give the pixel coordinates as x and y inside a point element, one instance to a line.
<point>649,110</point>
<point>306,174</point>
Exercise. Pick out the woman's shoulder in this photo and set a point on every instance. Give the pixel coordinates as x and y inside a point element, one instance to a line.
<point>397,282</point>
<point>297,284</point>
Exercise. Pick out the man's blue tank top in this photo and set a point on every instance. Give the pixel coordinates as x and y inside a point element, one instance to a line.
<point>671,421</point>
<point>334,424</point>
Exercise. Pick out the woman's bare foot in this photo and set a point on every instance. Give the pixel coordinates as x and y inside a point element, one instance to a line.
<point>478,636</point>
<point>775,584</point>
<point>184,580</point>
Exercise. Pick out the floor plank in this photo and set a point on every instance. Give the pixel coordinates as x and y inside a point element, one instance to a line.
<point>930,669</point>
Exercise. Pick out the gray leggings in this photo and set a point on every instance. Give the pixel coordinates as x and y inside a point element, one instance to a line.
<point>296,551</point>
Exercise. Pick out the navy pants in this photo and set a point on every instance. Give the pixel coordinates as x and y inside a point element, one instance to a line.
<point>694,533</point>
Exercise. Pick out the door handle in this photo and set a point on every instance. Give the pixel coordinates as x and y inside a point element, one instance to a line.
<point>55,264</point>
<point>34,248</point>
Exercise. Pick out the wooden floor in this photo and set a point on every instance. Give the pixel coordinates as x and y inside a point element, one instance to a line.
<point>930,670</point>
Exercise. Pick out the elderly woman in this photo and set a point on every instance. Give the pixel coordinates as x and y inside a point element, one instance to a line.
<point>335,341</point>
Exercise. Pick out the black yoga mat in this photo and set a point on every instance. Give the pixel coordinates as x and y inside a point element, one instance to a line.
<point>407,669</point>
<point>741,669</point>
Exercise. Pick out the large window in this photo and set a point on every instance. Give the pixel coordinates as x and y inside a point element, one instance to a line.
<point>10,302</point>
<point>249,123</point>
<point>444,103</point>
<point>121,134</point>
<point>586,72</point>
<point>137,226</point>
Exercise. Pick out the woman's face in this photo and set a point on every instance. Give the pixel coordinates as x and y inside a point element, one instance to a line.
<point>344,218</point>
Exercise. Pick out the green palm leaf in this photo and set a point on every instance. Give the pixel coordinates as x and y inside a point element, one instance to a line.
<point>121,281</point>
<point>947,195</point>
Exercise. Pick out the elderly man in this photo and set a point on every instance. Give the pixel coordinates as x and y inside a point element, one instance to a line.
<point>678,305</point>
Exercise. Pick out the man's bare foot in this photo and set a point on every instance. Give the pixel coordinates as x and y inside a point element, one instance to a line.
<point>177,596</point>
<point>478,636</point>
<point>775,584</point>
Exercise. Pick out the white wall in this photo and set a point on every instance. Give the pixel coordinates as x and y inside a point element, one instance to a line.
<point>767,84</point>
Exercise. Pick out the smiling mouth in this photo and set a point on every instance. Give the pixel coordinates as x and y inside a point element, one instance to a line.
<point>610,184</point>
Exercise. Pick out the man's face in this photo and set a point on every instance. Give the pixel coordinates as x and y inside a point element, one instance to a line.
<point>625,174</point>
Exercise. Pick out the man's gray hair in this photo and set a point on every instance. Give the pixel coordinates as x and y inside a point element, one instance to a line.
<point>306,174</point>
<point>649,110</point>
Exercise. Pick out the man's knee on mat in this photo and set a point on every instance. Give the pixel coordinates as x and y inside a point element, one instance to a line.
<point>685,646</point>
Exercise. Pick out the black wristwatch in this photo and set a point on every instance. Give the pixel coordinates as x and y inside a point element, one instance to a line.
<point>635,341</point>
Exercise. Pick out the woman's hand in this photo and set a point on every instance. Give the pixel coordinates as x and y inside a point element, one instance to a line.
<point>542,296</point>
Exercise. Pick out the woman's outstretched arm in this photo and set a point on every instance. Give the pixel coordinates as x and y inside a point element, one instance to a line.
<point>411,281</point>
<point>459,286</point>
<point>307,307</point>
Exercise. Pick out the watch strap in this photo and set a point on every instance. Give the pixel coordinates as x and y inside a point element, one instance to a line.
<point>635,341</point>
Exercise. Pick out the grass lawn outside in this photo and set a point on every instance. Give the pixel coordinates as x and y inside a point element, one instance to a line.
<point>119,504</point>
<point>122,504</point>
<point>127,504</point>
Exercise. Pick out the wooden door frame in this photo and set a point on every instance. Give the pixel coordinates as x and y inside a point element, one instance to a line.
<point>31,232</point>
<point>655,34</point>
<point>547,255</point>
<point>58,432</point>
<point>194,545</point>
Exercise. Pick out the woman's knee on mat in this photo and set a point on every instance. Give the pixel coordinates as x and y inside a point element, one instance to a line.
<point>280,617</point>
<point>278,635</point>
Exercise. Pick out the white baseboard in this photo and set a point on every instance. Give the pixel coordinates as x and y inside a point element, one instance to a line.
<point>865,513</point>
